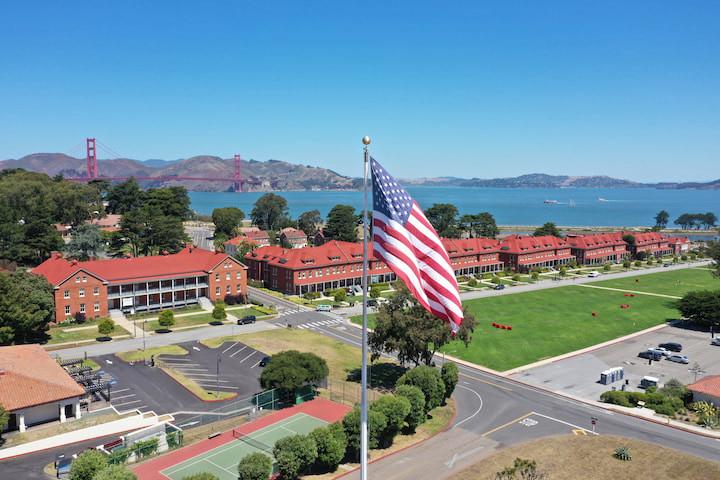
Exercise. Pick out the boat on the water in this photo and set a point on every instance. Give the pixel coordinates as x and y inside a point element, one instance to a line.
<point>600,199</point>
<point>551,202</point>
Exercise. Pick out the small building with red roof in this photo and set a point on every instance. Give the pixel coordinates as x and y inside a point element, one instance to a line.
<point>679,245</point>
<point>522,253</point>
<point>261,238</point>
<point>597,248</point>
<point>707,389</point>
<point>141,284</point>
<point>35,389</point>
<point>293,237</point>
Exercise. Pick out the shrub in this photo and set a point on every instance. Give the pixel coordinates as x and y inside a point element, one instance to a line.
<point>616,398</point>
<point>218,312</point>
<point>299,452</point>
<point>331,443</point>
<point>377,423</point>
<point>340,295</point>
<point>683,257</point>
<point>106,327</point>
<point>375,291</point>
<point>607,267</point>
<point>87,464</point>
<point>472,283</point>
<point>80,317</point>
<point>312,295</point>
<point>428,380</point>
<point>115,472</point>
<point>638,263</point>
<point>496,280</point>
<point>166,318</point>
<point>627,264</point>
<point>256,466</point>
<point>201,476</point>
<point>449,374</point>
<point>516,277</point>
<point>535,275</point>
<point>416,416</point>
<point>622,453</point>
<point>395,409</point>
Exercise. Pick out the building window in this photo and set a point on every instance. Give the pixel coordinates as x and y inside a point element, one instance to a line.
<point>96,291</point>
<point>66,294</point>
<point>81,292</point>
<point>96,307</point>
<point>227,289</point>
<point>77,279</point>
<point>217,277</point>
<point>217,291</point>
<point>238,275</point>
<point>67,309</point>
<point>239,289</point>
<point>227,276</point>
<point>82,308</point>
<point>84,279</point>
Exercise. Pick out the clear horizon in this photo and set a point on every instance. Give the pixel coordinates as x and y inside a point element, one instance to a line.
<point>629,91</point>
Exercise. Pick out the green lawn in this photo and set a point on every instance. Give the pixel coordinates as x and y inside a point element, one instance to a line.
<point>177,311</point>
<point>190,320</point>
<point>676,283</point>
<point>66,332</point>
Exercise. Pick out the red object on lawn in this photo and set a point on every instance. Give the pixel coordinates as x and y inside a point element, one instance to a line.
<point>594,314</point>
<point>509,327</point>
<point>624,305</point>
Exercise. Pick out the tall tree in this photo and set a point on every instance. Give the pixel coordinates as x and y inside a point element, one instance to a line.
<point>124,196</point>
<point>443,217</point>
<point>291,369</point>
<point>341,224</point>
<point>308,222</point>
<point>701,307</point>
<point>87,241</point>
<point>169,201</point>
<point>403,326</point>
<point>662,218</point>
<point>486,226</point>
<point>712,250</point>
<point>4,419</point>
<point>709,219</point>
<point>226,220</point>
<point>270,212</point>
<point>548,228</point>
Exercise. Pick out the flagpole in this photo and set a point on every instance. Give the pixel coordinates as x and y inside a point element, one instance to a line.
<point>364,374</point>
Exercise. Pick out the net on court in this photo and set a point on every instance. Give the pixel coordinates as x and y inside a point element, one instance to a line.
<point>252,442</point>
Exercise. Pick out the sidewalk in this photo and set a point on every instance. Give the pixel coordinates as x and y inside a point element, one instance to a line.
<point>121,320</point>
<point>134,422</point>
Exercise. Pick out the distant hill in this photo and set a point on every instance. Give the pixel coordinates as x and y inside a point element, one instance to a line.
<point>267,175</point>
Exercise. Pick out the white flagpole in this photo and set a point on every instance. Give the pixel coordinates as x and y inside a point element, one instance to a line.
<point>364,374</point>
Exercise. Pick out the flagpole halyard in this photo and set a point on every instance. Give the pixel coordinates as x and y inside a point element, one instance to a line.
<point>364,374</point>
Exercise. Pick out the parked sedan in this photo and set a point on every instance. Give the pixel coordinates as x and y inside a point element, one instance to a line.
<point>651,355</point>
<point>671,346</point>
<point>715,341</point>
<point>662,351</point>
<point>499,287</point>
<point>676,357</point>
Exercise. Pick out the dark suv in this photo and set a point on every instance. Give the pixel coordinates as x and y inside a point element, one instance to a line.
<point>649,354</point>
<point>246,320</point>
<point>672,346</point>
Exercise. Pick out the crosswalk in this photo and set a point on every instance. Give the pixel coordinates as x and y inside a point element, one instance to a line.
<point>320,323</point>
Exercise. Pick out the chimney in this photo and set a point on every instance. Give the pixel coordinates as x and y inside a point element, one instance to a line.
<point>74,262</point>
<point>56,254</point>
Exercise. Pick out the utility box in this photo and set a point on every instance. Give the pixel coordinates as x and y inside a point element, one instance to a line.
<point>612,375</point>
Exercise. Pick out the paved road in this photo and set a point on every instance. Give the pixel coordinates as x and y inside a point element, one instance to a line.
<point>201,236</point>
<point>494,412</point>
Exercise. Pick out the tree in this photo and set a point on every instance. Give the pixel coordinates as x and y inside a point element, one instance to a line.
<point>219,312</point>
<point>124,197</point>
<point>27,307</point>
<point>428,380</point>
<point>302,449</point>
<point>686,221</point>
<point>270,212</point>
<point>443,217</point>
<point>149,232</point>
<point>105,327</point>
<point>712,250</point>
<point>166,319</point>
<point>395,409</point>
<point>450,376</point>
<point>629,239</point>
<point>548,228</point>
<point>351,424</point>
<point>226,220</point>
<point>341,224</point>
<point>375,291</point>
<point>486,226</point>
<point>340,295</point>
<point>416,416</point>
<point>115,472</point>
<point>289,370</point>
<point>404,327</point>
<point>662,218</point>
<point>201,476</point>
<point>168,201</point>
<point>87,241</point>
<point>308,222</point>
<point>256,466</point>
<point>87,464</point>
<point>331,443</point>
<point>4,419</point>
<point>709,220</point>
<point>701,307</point>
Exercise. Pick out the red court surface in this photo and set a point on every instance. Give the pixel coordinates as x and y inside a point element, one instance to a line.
<point>319,408</point>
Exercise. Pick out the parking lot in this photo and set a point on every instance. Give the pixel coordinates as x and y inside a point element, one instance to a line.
<point>140,387</point>
<point>579,375</point>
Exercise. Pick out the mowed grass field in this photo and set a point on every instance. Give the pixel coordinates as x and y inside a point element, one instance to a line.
<point>675,283</point>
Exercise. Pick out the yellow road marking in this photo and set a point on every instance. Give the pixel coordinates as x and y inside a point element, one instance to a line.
<point>485,381</point>
<point>489,432</point>
<point>579,431</point>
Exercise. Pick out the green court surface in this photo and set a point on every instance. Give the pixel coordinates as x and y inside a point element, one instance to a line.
<point>223,460</point>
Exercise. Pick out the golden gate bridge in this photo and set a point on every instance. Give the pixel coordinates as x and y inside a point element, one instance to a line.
<point>93,172</point>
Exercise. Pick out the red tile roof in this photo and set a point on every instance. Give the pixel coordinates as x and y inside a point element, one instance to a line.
<point>594,240</point>
<point>333,252</point>
<point>645,238</point>
<point>469,246</point>
<point>189,261</point>
<point>29,377</point>
<point>709,385</point>
<point>240,240</point>
<point>293,233</point>
<point>676,240</point>
<point>258,235</point>
<point>520,244</point>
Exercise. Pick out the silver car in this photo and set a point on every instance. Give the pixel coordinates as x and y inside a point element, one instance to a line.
<point>662,351</point>
<point>715,341</point>
<point>676,357</point>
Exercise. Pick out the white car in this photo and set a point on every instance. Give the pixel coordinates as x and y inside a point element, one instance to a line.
<point>594,274</point>
<point>676,357</point>
<point>664,352</point>
<point>715,341</point>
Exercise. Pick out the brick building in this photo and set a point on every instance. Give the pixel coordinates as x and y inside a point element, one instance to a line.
<point>522,253</point>
<point>338,264</point>
<point>141,284</point>
<point>293,237</point>
<point>597,248</point>
<point>647,243</point>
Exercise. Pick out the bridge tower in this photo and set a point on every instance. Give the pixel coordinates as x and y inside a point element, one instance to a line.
<point>237,179</point>
<point>92,164</point>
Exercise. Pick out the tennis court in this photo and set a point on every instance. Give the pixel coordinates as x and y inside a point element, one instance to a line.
<point>222,461</point>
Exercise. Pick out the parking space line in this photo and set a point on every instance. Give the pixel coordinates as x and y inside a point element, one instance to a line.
<point>126,403</point>
<point>212,387</point>
<point>183,369</point>
<point>173,359</point>
<point>124,396</point>
<point>230,347</point>
<point>258,363</point>
<point>121,390</point>
<point>302,326</point>
<point>235,353</point>
<point>253,353</point>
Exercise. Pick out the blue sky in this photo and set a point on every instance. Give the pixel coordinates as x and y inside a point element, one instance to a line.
<point>472,89</point>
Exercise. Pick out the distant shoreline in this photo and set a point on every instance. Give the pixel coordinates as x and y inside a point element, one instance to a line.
<point>586,228</point>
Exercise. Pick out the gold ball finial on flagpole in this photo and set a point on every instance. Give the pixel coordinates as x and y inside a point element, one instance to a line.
<point>366,140</point>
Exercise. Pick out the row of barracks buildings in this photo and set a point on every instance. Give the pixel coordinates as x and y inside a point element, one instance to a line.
<point>338,264</point>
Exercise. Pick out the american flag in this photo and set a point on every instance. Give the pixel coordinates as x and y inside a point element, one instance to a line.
<point>407,243</point>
